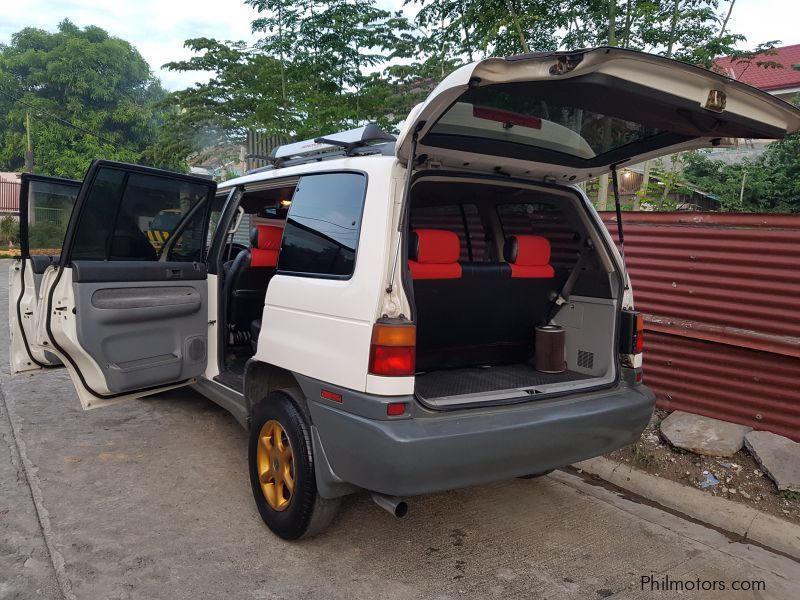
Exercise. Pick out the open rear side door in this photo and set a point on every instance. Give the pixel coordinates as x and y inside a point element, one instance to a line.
<point>45,207</point>
<point>126,307</point>
<point>570,116</point>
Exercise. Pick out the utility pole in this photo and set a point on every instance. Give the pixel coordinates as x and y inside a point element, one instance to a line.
<point>741,192</point>
<point>29,153</point>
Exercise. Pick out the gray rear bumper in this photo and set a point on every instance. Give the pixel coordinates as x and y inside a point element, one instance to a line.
<point>435,451</point>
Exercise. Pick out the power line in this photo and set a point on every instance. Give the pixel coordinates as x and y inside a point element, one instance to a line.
<point>43,113</point>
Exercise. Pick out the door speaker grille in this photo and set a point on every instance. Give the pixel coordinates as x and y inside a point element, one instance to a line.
<point>196,348</point>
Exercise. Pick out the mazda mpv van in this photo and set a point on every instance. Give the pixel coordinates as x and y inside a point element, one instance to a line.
<point>401,316</point>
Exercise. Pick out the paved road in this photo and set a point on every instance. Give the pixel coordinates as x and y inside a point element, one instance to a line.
<point>150,499</point>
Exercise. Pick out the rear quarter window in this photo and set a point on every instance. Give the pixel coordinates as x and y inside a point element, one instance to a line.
<point>320,238</point>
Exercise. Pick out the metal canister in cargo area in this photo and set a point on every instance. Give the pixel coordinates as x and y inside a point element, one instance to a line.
<point>550,349</point>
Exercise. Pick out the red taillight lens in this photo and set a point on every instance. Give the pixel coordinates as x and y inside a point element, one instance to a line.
<point>393,350</point>
<point>639,333</point>
<point>392,361</point>
<point>329,395</point>
<point>395,409</point>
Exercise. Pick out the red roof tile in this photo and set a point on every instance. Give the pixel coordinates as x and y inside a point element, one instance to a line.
<point>767,78</point>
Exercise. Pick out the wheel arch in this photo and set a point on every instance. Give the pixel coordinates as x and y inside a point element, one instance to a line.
<point>261,379</point>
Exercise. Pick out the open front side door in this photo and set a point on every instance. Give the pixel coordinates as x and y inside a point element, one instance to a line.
<point>125,308</point>
<point>45,206</point>
<point>569,116</point>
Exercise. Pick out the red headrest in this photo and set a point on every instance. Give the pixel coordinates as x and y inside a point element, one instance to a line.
<point>266,244</point>
<point>433,254</point>
<point>268,237</point>
<point>529,256</point>
<point>434,246</point>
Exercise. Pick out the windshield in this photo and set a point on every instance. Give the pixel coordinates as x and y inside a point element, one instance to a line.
<point>533,115</point>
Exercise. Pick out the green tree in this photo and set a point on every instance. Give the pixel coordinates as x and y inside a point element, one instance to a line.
<point>767,183</point>
<point>88,95</point>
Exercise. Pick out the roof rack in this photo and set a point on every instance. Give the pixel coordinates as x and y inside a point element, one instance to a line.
<point>345,142</point>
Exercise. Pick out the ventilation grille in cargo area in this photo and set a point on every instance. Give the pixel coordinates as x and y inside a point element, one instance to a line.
<point>585,359</point>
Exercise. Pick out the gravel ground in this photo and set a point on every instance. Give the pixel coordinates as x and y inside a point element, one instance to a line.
<point>740,478</point>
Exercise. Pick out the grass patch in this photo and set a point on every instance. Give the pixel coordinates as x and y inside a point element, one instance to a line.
<point>643,457</point>
<point>790,495</point>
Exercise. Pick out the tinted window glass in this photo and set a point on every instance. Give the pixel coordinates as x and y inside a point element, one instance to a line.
<point>535,114</point>
<point>49,208</point>
<point>322,227</point>
<point>133,216</point>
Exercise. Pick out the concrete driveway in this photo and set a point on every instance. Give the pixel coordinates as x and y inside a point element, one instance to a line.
<point>150,499</point>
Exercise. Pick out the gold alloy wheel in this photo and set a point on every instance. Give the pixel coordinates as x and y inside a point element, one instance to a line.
<point>275,464</point>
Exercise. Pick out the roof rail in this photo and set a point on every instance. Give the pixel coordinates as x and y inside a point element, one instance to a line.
<point>345,141</point>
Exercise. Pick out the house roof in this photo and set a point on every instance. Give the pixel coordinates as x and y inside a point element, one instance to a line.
<point>770,79</point>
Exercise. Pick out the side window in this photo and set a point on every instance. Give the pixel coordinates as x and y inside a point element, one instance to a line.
<point>216,214</point>
<point>322,227</point>
<point>130,216</point>
<point>49,208</point>
<point>462,219</point>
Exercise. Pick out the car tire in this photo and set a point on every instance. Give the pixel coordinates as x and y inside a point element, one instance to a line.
<point>285,490</point>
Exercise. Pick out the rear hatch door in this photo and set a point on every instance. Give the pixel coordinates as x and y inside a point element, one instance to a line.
<point>571,116</point>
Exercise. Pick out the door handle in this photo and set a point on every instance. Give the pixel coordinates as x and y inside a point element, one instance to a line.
<point>174,273</point>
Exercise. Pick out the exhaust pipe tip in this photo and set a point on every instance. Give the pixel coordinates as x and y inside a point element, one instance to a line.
<point>394,506</point>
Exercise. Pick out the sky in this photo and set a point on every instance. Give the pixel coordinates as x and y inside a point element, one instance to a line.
<point>158,28</point>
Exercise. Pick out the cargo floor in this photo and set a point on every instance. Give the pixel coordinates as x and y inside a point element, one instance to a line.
<point>475,380</point>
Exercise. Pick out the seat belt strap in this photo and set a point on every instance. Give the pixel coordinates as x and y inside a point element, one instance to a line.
<point>562,298</point>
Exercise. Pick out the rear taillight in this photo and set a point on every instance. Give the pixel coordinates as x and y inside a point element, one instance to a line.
<point>639,334</point>
<point>631,341</point>
<point>393,349</point>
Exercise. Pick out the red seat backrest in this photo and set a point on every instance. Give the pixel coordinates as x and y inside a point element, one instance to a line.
<point>433,254</point>
<point>266,241</point>
<point>528,256</point>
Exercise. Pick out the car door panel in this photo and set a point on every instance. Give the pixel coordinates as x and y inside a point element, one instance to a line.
<point>143,332</point>
<point>45,207</point>
<point>127,327</point>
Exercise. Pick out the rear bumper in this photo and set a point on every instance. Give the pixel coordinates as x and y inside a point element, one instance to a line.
<point>435,451</point>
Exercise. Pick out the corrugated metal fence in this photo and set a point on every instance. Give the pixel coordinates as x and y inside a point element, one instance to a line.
<point>722,297</point>
<point>9,197</point>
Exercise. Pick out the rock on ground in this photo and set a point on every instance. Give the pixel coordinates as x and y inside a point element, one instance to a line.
<point>778,456</point>
<point>703,435</point>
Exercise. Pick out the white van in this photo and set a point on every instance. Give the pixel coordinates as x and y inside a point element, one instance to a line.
<point>367,307</point>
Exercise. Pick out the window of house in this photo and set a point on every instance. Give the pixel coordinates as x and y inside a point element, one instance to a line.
<point>322,228</point>
<point>132,216</point>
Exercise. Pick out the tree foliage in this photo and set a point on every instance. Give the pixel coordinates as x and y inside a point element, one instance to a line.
<point>88,95</point>
<point>767,183</point>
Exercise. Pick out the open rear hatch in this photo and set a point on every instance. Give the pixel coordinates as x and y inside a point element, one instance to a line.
<point>570,116</point>
<point>560,117</point>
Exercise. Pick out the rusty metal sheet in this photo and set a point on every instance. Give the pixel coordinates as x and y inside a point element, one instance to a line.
<point>722,297</point>
<point>736,384</point>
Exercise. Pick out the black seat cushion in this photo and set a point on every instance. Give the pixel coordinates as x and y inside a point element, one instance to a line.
<point>485,317</point>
